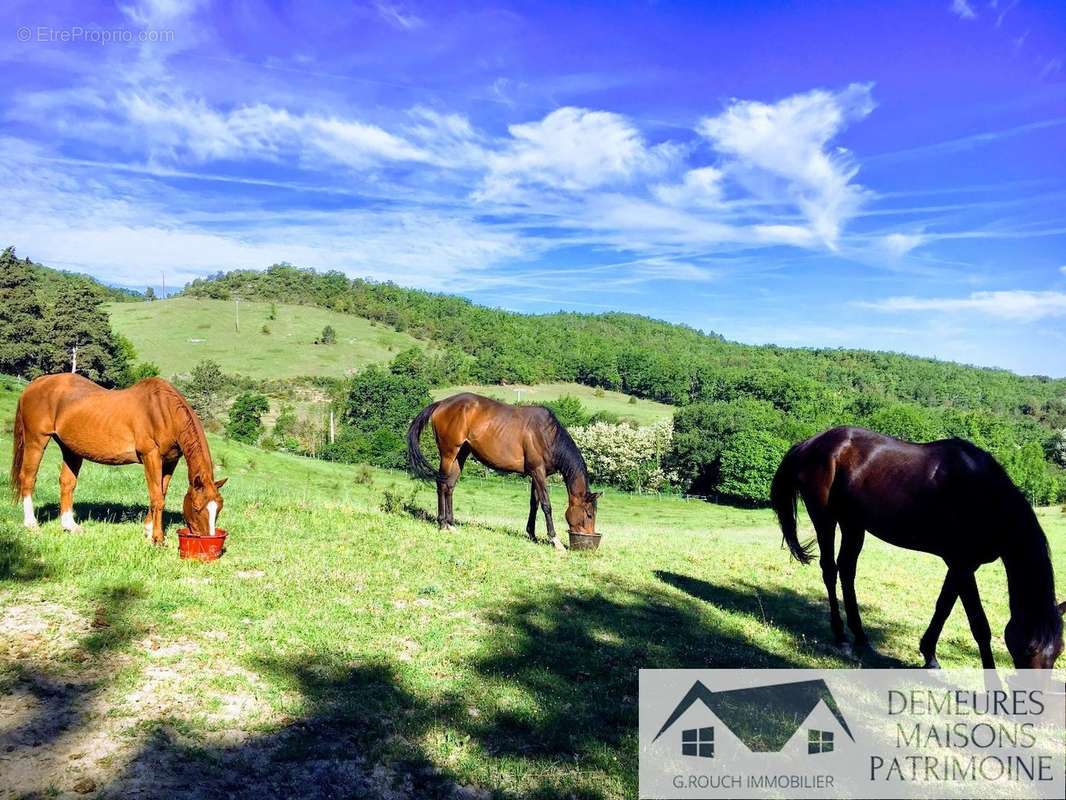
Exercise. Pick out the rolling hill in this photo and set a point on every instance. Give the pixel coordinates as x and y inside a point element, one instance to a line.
<point>178,333</point>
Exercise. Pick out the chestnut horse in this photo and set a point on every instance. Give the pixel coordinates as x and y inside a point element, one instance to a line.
<point>948,498</point>
<point>524,439</point>
<point>150,422</point>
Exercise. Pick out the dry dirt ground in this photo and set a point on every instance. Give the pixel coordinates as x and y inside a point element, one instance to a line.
<point>79,720</point>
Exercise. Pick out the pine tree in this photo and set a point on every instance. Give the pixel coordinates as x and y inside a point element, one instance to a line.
<point>20,317</point>
<point>78,320</point>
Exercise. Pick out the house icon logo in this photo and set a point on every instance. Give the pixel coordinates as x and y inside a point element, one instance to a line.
<point>763,718</point>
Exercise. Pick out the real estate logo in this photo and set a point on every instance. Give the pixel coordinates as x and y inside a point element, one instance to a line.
<point>853,733</point>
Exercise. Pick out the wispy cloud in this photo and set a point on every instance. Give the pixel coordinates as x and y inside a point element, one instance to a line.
<point>1016,304</point>
<point>398,16</point>
<point>962,9</point>
<point>899,244</point>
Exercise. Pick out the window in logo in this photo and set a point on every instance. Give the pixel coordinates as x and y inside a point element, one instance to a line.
<point>819,741</point>
<point>700,742</point>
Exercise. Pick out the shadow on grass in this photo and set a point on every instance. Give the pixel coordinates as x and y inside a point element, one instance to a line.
<point>547,708</point>
<point>114,513</point>
<point>19,558</point>
<point>58,705</point>
<point>800,615</point>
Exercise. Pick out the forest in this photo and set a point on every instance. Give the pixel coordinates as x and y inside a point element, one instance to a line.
<point>739,406</point>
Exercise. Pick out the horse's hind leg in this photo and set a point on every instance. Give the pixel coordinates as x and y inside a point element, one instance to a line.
<point>851,539</point>
<point>449,475</point>
<point>32,452</point>
<point>68,481</point>
<point>826,528</point>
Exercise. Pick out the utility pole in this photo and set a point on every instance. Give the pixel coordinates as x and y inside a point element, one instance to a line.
<point>332,427</point>
<point>74,360</point>
<point>164,295</point>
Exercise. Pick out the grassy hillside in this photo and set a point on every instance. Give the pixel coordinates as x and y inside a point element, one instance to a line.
<point>341,651</point>
<point>643,412</point>
<point>179,332</point>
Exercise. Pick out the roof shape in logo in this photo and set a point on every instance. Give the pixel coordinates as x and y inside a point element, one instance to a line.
<point>763,717</point>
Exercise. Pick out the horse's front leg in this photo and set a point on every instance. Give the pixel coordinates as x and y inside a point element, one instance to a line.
<point>948,594</point>
<point>540,483</point>
<point>982,633</point>
<point>153,475</point>
<point>531,525</point>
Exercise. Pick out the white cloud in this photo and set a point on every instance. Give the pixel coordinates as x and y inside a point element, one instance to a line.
<point>699,187</point>
<point>1014,304</point>
<point>962,9</point>
<point>899,244</point>
<point>572,149</point>
<point>1062,269</point>
<point>176,127</point>
<point>778,151</point>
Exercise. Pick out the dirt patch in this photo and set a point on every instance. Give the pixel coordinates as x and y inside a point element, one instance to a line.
<point>147,723</point>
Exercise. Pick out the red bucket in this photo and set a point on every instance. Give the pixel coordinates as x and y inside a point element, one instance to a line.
<point>201,548</point>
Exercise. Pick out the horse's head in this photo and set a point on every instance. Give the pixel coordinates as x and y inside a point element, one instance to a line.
<point>1035,647</point>
<point>203,504</point>
<point>581,512</point>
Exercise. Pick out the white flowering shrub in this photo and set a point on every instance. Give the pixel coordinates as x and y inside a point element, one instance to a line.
<point>626,457</point>
<point>1059,452</point>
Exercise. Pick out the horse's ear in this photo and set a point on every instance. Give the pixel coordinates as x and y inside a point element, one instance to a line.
<point>198,483</point>
<point>594,496</point>
<point>1062,608</point>
<point>221,483</point>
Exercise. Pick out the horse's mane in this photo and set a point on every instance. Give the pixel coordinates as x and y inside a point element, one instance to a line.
<point>1030,574</point>
<point>191,436</point>
<point>564,454</point>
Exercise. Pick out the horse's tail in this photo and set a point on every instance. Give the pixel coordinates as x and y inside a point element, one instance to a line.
<point>18,439</point>
<point>416,460</point>
<point>783,499</point>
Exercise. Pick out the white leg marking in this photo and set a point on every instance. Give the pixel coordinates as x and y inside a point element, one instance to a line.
<point>212,515</point>
<point>66,519</point>
<point>148,530</point>
<point>28,519</point>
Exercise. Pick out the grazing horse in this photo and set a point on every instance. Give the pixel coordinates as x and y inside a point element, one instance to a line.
<point>948,498</point>
<point>524,439</point>
<point>150,422</point>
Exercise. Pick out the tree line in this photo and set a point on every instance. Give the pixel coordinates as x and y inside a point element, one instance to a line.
<point>739,406</point>
<point>45,314</point>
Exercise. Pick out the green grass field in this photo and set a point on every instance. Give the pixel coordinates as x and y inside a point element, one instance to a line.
<point>178,333</point>
<point>643,412</point>
<point>340,650</point>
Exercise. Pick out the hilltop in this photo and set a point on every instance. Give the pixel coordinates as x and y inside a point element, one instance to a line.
<point>648,358</point>
<point>275,340</point>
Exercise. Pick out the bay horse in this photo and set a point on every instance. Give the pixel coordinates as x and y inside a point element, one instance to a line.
<point>150,423</point>
<point>949,498</point>
<point>527,440</point>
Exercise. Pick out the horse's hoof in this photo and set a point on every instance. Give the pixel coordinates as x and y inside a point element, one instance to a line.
<point>931,663</point>
<point>846,650</point>
<point>75,529</point>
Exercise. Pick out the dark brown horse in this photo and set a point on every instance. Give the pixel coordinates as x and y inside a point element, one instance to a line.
<point>525,439</point>
<point>949,498</point>
<point>150,423</point>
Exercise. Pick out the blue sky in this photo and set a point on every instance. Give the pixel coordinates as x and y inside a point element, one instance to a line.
<point>879,175</point>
